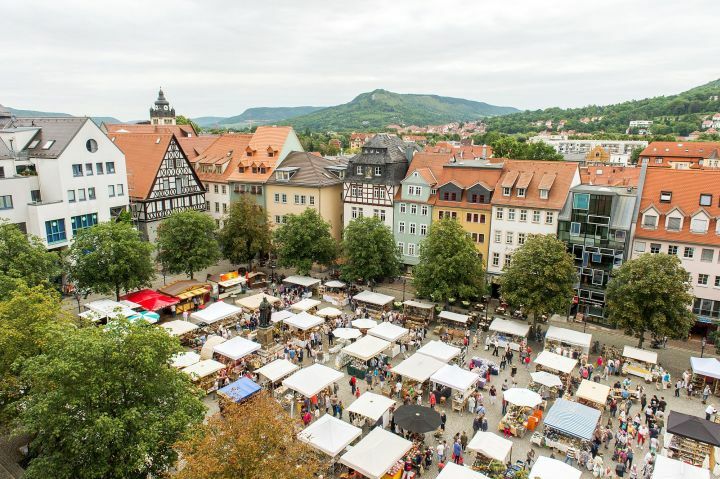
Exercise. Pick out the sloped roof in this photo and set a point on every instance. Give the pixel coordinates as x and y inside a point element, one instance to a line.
<point>466,177</point>
<point>144,153</point>
<point>179,131</point>
<point>557,176</point>
<point>610,175</point>
<point>312,170</point>
<point>428,165</point>
<point>60,130</point>
<point>273,136</point>
<point>394,150</point>
<point>227,148</point>
<point>688,149</point>
<point>195,146</point>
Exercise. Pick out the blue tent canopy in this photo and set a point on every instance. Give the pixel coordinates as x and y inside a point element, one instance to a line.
<point>573,419</point>
<point>240,390</point>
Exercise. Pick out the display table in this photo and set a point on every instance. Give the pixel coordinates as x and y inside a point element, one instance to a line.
<point>688,450</point>
<point>357,370</point>
<point>516,419</point>
<point>644,373</point>
<point>458,403</point>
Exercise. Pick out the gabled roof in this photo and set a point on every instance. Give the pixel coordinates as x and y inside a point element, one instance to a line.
<point>59,130</point>
<point>555,176</point>
<point>524,179</point>
<point>689,149</point>
<point>310,170</point>
<point>269,138</point>
<point>428,165</point>
<point>508,179</point>
<point>610,175</point>
<point>195,146</point>
<point>180,131</point>
<point>228,148</point>
<point>144,153</point>
<point>466,176</point>
<point>547,181</point>
<point>393,146</point>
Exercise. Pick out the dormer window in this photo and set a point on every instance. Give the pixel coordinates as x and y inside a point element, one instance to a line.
<point>705,199</point>
<point>699,225</point>
<point>358,170</point>
<point>521,192</point>
<point>665,196</point>
<point>544,194</point>
<point>254,169</point>
<point>378,170</point>
<point>249,153</point>
<point>241,169</point>
<point>673,223</point>
<point>263,170</point>
<point>506,190</point>
<point>649,221</point>
<point>282,175</point>
<point>271,154</point>
<point>33,144</point>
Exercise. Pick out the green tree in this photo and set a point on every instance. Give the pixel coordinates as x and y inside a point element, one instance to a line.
<point>303,240</point>
<point>246,233</point>
<point>540,277</point>
<point>110,257</point>
<point>24,260</point>
<point>651,293</point>
<point>186,243</point>
<point>635,155</point>
<point>507,147</point>
<point>181,120</point>
<point>449,264</point>
<point>370,251</point>
<point>105,403</point>
<point>540,151</point>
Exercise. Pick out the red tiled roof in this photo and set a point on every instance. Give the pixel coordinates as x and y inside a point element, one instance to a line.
<point>609,175</point>
<point>228,148</point>
<point>195,146</point>
<point>556,176</point>
<point>144,153</point>
<point>688,149</point>
<point>179,131</point>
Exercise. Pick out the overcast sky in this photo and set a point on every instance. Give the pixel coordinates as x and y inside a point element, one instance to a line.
<point>220,57</point>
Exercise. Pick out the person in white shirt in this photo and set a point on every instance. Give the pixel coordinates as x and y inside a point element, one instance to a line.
<point>709,411</point>
<point>441,451</point>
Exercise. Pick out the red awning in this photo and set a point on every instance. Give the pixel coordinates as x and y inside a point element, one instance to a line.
<point>151,300</point>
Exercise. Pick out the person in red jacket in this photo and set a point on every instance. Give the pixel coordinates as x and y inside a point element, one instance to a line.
<point>433,401</point>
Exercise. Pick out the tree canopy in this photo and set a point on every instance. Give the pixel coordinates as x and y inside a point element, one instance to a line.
<point>511,147</point>
<point>105,403</point>
<point>651,293</point>
<point>303,240</point>
<point>540,277</point>
<point>369,250</point>
<point>246,233</point>
<point>110,257</point>
<point>24,260</point>
<point>186,243</point>
<point>449,264</point>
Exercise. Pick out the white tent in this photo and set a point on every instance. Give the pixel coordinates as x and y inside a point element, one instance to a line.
<point>305,281</point>
<point>456,471</point>
<point>491,445</point>
<point>546,468</point>
<point>418,367</point>
<point>593,392</point>
<point>388,331</point>
<point>371,405</point>
<point>185,359</point>
<point>667,468</point>
<point>709,367</point>
<point>376,453</point>
<point>556,362</point>
<point>641,355</point>
<point>366,348</point>
<point>522,397</point>
<point>335,284</point>
<point>311,380</point>
<point>329,312</point>
<point>130,304</point>
<point>304,321</point>
<point>209,347</point>
<point>373,298</point>
<point>347,333</point>
<point>569,336</point>
<point>279,316</point>
<point>329,434</point>
<point>450,316</point>
<point>277,369</point>
<point>418,304</point>
<point>546,379</point>
<point>364,323</point>
<point>439,350</point>
<point>455,377</point>
<point>178,327</point>
<point>512,328</point>
<point>108,308</point>
<point>203,368</point>
<point>236,348</point>
<point>303,305</point>
<point>215,312</point>
<point>252,303</point>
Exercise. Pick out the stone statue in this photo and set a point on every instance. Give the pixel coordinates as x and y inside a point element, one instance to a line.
<point>265,312</point>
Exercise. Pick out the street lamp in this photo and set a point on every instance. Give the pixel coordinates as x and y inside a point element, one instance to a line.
<point>702,346</point>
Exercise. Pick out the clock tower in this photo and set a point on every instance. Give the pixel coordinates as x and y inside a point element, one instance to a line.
<point>160,112</point>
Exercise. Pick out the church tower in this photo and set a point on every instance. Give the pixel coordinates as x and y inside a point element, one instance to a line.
<point>161,113</point>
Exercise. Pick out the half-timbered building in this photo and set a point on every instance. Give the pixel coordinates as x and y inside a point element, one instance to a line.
<point>160,179</point>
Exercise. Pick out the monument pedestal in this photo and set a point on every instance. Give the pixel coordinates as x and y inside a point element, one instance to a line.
<point>265,337</point>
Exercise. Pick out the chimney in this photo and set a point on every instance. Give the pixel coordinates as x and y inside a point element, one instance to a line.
<point>484,151</point>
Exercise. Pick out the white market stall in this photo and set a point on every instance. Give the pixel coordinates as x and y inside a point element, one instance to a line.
<point>489,448</point>
<point>180,329</point>
<point>521,414</point>
<point>458,379</point>
<point>509,332</point>
<point>456,471</point>
<point>217,311</point>
<point>280,316</point>
<point>706,371</point>
<point>563,338</point>
<point>545,384</point>
<point>555,364</point>
<point>306,282</point>
<point>208,349</point>
<point>639,362</point>
<point>374,303</point>
<point>252,303</point>
<point>346,333</point>
<point>203,373</point>
<point>329,313</point>
<point>593,394</point>
<point>275,371</point>
<point>303,321</point>
<point>235,349</point>
<point>107,308</point>
<point>417,314</point>
<point>184,359</point>
<point>377,454</point>
<point>329,435</point>
<point>371,407</point>
<point>305,305</point>
<point>362,351</point>
<point>546,468</point>
<point>415,372</point>
<point>313,379</point>
<point>667,468</point>
<point>364,323</point>
<point>440,351</point>
<point>454,318</point>
<point>390,332</point>
<point>333,292</point>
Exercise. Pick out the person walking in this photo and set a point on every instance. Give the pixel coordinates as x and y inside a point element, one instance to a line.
<point>457,452</point>
<point>678,387</point>
<point>440,449</point>
<point>353,384</point>
<point>463,440</point>
<point>493,394</point>
<point>443,420</point>
<point>477,422</point>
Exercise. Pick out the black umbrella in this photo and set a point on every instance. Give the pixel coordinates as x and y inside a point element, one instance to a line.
<point>417,419</point>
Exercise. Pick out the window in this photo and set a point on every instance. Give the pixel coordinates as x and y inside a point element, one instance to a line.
<point>358,170</point>
<point>2,172</point>
<point>498,236</point>
<point>523,215</point>
<point>81,222</point>
<point>36,198</point>
<point>303,199</point>
<point>574,229</point>
<point>521,192</point>
<point>549,218</point>
<point>296,199</point>
<point>6,202</point>
<point>401,227</point>
<point>508,258</point>
<point>276,197</point>
<point>216,188</point>
<point>536,216</point>
<point>511,214</point>
<point>699,225</point>
<point>71,196</point>
<point>673,224</point>
<point>284,198</point>
<point>403,207</point>
<point>312,200</point>
<point>413,209</point>
<point>499,213</point>
<point>702,279</point>
<point>110,167</point>
<point>654,248</point>
<point>509,237</point>
<point>91,193</point>
<point>81,194</point>
<point>412,228</point>
<point>672,249</point>
<point>478,237</point>
<point>224,189</point>
<point>544,194</point>
<point>207,205</point>
<point>423,230</point>
<point>705,199</point>
<point>354,212</point>
<point>378,171</point>
<point>88,169</point>
<point>401,247</point>
<point>224,207</point>
<point>55,231</point>
<point>120,190</point>
<point>33,144</point>
<point>706,255</point>
<point>717,281</point>
<point>433,191</point>
<point>649,221</point>
<point>277,219</point>
<point>496,259</point>
<point>77,169</point>
<point>521,238</point>
<point>99,168</point>
<point>689,252</point>
<point>424,210</point>
<point>91,145</point>
<point>217,207</point>
<point>506,191</point>
<point>639,246</point>
<point>411,249</point>
<point>217,223</point>
<point>665,196</point>
<point>48,144</point>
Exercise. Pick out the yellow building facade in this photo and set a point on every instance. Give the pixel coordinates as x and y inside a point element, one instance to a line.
<point>282,200</point>
<point>475,221</point>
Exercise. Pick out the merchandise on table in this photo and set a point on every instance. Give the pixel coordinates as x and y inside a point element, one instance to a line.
<point>575,343</point>
<point>374,303</point>
<point>639,362</point>
<point>706,371</point>
<point>509,332</point>
<point>417,314</point>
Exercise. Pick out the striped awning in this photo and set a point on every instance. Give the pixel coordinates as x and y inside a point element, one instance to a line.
<point>573,419</point>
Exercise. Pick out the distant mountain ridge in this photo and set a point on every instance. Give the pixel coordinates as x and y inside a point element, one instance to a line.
<point>30,113</point>
<point>256,116</point>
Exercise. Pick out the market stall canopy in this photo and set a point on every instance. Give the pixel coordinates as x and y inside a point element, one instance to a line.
<point>240,390</point>
<point>522,397</point>
<point>418,419</point>
<point>311,380</point>
<point>335,284</point>
<point>108,308</point>
<point>305,281</point>
<point>456,471</point>
<point>279,316</point>
<point>573,419</point>
<point>253,302</point>
<point>569,336</point>
<point>236,348</point>
<point>667,468</point>
<point>185,288</point>
<point>388,331</point>
<point>149,316</point>
<point>215,312</point>
<point>329,312</point>
<point>512,328</point>
<point>92,316</point>
<point>709,367</point>
<point>592,391</point>
<point>371,405</point>
<point>546,379</point>
<point>304,321</point>
<point>366,348</point>
<point>491,445</point>
<point>376,453</point>
<point>209,347</point>
<point>151,300</point>
<point>184,359</point>
<point>439,350</point>
<point>329,434</point>
<point>418,304</point>
<point>450,316</point>
<point>546,468</point>
<point>364,323</point>
<point>347,333</point>
<point>373,298</point>
<point>130,304</point>
<point>418,367</point>
<point>203,368</point>
<point>556,362</point>
<point>277,369</point>
<point>693,427</point>
<point>304,305</point>
<point>455,377</point>
<point>641,355</point>
<point>178,327</point>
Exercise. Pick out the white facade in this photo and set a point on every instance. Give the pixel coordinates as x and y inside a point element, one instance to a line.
<point>563,145</point>
<point>217,197</point>
<point>358,210</point>
<point>74,190</point>
<point>365,199</point>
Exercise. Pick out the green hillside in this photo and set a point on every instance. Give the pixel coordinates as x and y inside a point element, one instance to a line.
<point>678,114</point>
<point>379,108</point>
<point>256,116</point>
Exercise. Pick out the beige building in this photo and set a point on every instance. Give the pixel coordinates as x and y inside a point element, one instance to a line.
<point>305,180</point>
